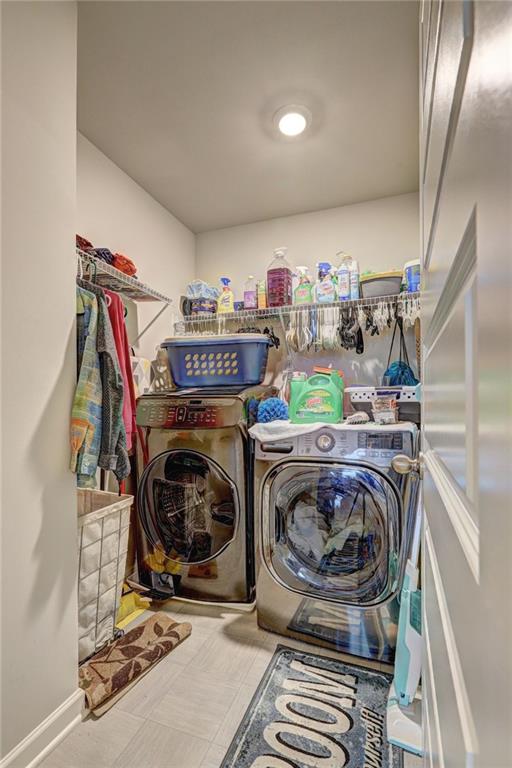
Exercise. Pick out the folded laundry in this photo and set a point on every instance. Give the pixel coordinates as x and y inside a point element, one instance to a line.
<point>83,243</point>
<point>124,264</point>
<point>102,253</point>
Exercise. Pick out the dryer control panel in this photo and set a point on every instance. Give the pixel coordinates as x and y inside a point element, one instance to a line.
<point>168,413</point>
<point>376,445</point>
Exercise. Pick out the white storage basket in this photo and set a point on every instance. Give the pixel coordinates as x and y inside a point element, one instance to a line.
<point>103,526</point>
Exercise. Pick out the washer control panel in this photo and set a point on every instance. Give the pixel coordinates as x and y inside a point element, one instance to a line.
<point>375,446</point>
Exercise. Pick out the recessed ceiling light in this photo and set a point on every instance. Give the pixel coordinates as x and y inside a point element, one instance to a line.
<point>292,120</point>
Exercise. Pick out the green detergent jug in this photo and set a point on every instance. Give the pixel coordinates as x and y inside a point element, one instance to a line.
<point>319,398</point>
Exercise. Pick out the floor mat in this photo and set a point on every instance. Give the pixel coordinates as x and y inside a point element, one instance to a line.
<point>315,712</point>
<point>116,668</point>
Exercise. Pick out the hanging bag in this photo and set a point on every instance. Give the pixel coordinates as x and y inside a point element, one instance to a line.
<point>399,372</point>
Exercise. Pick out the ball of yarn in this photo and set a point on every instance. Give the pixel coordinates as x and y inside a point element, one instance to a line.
<point>272,409</point>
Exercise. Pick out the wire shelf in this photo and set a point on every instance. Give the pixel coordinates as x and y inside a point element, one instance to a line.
<point>268,312</point>
<point>111,278</point>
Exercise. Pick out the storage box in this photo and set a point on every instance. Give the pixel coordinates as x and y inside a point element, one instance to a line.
<point>103,527</point>
<point>213,361</point>
<point>381,284</point>
<point>408,400</point>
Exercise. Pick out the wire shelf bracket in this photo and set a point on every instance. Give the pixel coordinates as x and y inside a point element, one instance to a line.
<point>113,279</point>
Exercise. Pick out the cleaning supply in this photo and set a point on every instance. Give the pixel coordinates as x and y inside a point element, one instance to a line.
<point>272,409</point>
<point>227,297</point>
<point>250,297</point>
<point>325,290</point>
<point>403,716</point>
<point>412,275</point>
<point>261,294</point>
<point>279,280</point>
<point>303,293</point>
<point>354,280</point>
<point>317,398</point>
<point>343,273</point>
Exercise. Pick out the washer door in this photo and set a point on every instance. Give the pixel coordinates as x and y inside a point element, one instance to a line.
<point>332,531</point>
<point>188,506</point>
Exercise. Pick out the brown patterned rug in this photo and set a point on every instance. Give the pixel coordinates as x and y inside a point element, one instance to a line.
<point>117,667</point>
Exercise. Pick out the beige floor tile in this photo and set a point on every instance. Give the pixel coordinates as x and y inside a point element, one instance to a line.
<point>225,658</point>
<point>150,689</point>
<point>412,761</point>
<point>234,716</point>
<point>206,618</point>
<point>158,746</point>
<point>214,757</point>
<point>189,648</point>
<point>258,668</point>
<point>95,743</point>
<point>197,704</point>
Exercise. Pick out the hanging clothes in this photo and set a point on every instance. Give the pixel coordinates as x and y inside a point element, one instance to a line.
<point>116,314</point>
<point>86,412</point>
<point>113,453</point>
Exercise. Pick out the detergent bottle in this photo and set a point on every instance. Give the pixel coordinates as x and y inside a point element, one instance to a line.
<point>319,398</point>
<point>354,279</point>
<point>303,293</point>
<point>261,294</point>
<point>226,302</point>
<point>344,276</point>
<point>250,296</point>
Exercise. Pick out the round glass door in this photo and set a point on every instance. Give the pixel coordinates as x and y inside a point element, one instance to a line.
<point>333,531</point>
<point>188,506</point>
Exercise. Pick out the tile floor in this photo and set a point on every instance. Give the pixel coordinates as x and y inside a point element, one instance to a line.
<point>184,713</point>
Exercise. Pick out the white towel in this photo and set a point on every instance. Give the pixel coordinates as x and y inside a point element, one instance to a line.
<point>282,430</point>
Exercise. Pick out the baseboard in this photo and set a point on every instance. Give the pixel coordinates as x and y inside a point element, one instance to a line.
<point>34,747</point>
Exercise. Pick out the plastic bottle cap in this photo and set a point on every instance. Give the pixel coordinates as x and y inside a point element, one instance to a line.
<point>225,280</point>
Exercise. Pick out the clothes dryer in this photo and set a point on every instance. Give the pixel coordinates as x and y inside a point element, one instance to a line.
<point>195,494</point>
<point>334,524</point>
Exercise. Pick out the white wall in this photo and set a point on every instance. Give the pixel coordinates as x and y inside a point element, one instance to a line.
<point>381,234</point>
<point>115,212</point>
<point>38,498</point>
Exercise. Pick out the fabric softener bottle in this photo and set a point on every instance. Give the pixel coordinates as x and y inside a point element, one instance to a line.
<point>250,296</point>
<point>279,280</point>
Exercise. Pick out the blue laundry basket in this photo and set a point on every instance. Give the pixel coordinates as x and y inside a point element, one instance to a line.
<point>215,361</point>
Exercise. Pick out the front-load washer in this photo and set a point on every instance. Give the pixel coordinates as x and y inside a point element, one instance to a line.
<point>334,524</point>
<point>195,495</point>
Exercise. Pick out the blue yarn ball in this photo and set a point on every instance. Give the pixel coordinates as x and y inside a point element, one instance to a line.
<point>272,409</point>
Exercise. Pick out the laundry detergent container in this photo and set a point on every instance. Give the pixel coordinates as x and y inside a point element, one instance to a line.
<point>213,361</point>
<point>376,284</point>
<point>103,526</point>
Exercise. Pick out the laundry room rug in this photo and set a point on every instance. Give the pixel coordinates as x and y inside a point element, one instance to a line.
<point>315,712</point>
<point>115,669</point>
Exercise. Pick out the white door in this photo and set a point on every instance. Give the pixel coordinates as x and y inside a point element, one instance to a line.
<point>466,199</point>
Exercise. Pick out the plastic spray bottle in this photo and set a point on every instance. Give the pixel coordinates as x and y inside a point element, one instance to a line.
<point>226,302</point>
<point>325,290</point>
<point>303,293</point>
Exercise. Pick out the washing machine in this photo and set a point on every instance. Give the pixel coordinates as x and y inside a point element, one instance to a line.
<point>195,495</point>
<point>334,525</point>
